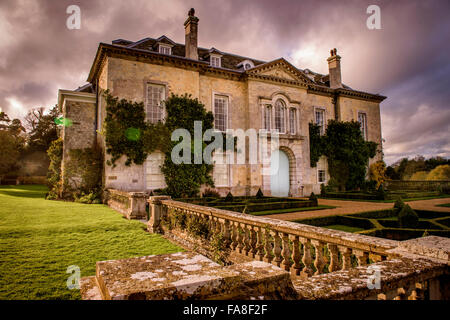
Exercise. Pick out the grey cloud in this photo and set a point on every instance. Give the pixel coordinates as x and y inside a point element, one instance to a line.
<point>407,60</point>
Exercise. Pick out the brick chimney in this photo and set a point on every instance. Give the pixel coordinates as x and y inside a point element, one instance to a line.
<point>334,66</point>
<point>191,35</point>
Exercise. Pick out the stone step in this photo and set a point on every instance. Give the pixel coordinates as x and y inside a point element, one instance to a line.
<point>185,275</point>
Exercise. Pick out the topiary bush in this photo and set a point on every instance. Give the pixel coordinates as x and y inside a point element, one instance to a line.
<point>313,198</point>
<point>323,191</point>
<point>259,194</point>
<point>229,197</point>
<point>408,218</point>
<point>381,193</point>
<point>210,193</point>
<point>399,204</point>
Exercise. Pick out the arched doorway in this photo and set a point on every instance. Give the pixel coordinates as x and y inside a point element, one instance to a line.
<point>279,174</point>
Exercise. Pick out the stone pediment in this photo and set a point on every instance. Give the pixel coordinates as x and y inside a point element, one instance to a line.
<point>280,69</point>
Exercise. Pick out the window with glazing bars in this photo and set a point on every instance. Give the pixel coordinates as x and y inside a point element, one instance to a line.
<point>362,119</point>
<point>154,107</point>
<point>320,120</point>
<point>267,117</point>
<point>220,112</point>
<point>279,116</point>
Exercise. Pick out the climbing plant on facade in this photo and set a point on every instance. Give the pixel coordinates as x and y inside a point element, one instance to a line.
<point>128,134</point>
<point>346,150</point>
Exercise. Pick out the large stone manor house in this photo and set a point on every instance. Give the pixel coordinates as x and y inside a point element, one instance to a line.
<point>242,92</point>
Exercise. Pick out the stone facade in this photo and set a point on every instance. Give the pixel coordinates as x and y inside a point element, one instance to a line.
<point>127,69</point>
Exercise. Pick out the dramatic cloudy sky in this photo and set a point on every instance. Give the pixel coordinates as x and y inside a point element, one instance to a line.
<point>407,60</point>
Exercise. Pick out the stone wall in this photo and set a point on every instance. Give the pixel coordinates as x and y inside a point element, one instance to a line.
<point>127,79</point>
<point>79,108</point>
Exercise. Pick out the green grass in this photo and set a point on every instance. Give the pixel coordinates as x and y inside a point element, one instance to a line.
<point>447,205</point>
<point>342,227</point>
<point>39,239</point>
<point>267,212</point>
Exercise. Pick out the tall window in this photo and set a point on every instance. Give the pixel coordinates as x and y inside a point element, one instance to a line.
<point>165,49</point>
<point>292,121</point>
<point>220,112</point>
<point>154,107</point>
<point>279,116</point>
<point>362,119</point>
<point>216,61</point>
<point>321,176</point>
<point>221,171</point>
<point>268,117</point>
<point>320,120</point>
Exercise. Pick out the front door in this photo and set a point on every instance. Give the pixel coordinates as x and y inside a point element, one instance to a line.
<point>279,174</point>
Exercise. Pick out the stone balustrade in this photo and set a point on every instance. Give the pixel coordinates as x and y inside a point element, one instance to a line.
<point>302,250</point>
<point>131,204</point>
<point>395,279</point>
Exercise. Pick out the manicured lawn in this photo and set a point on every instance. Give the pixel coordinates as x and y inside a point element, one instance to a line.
<point>342,227</point>
<point>40,239</point>
<point>447,205</point>
<point>263,213</point>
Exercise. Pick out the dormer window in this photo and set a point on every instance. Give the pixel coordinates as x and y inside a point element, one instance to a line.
<point>246,64</point>
<point>215,61</point>
<point>165,49</point>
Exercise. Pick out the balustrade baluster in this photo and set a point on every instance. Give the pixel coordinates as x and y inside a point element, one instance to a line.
<point>253,241</point>
<point>307,270</point>
<point>334,257</point>
<point>226,233</point>
<point>346,257</point>
<point>296,267</point>
<point>247,240</point>
<point>319,262</point>
<point>240,238</point>
<point>260,244</point>
<point>234,235</point>
<point>286,252</point>
<point>276,248</point>
<point>362,257</point>
<point>268,257</point>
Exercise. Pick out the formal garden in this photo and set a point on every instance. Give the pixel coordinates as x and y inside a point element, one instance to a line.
<point>257,205</point>
<point>399,223</point>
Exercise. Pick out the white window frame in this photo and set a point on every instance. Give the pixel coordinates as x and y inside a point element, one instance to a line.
<point>324,175</point>
<point>364,130</point>
<point>164,97</point>
<point>323,110</point>
<point>215,60</point>
<point>163,47</point>
<point>225,157</point>
<point>227,113</point>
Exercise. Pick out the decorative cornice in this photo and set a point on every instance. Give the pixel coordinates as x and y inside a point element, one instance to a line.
<point>203,67</point>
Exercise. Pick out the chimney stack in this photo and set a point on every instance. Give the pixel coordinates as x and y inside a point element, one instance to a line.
<point>191,35</point>
<point>334,66</point>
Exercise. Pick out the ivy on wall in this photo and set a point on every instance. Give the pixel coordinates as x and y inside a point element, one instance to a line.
<point>315,144</point>
<point>55,153</point>
<point>128,134</point>
<point>82,174</point>
<point>346,150</point>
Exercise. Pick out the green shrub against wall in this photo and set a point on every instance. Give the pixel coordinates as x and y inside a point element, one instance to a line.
<point>128,134</point>
<point>54,183</point>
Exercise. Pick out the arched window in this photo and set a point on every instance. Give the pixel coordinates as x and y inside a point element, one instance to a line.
<point>280,110</point>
